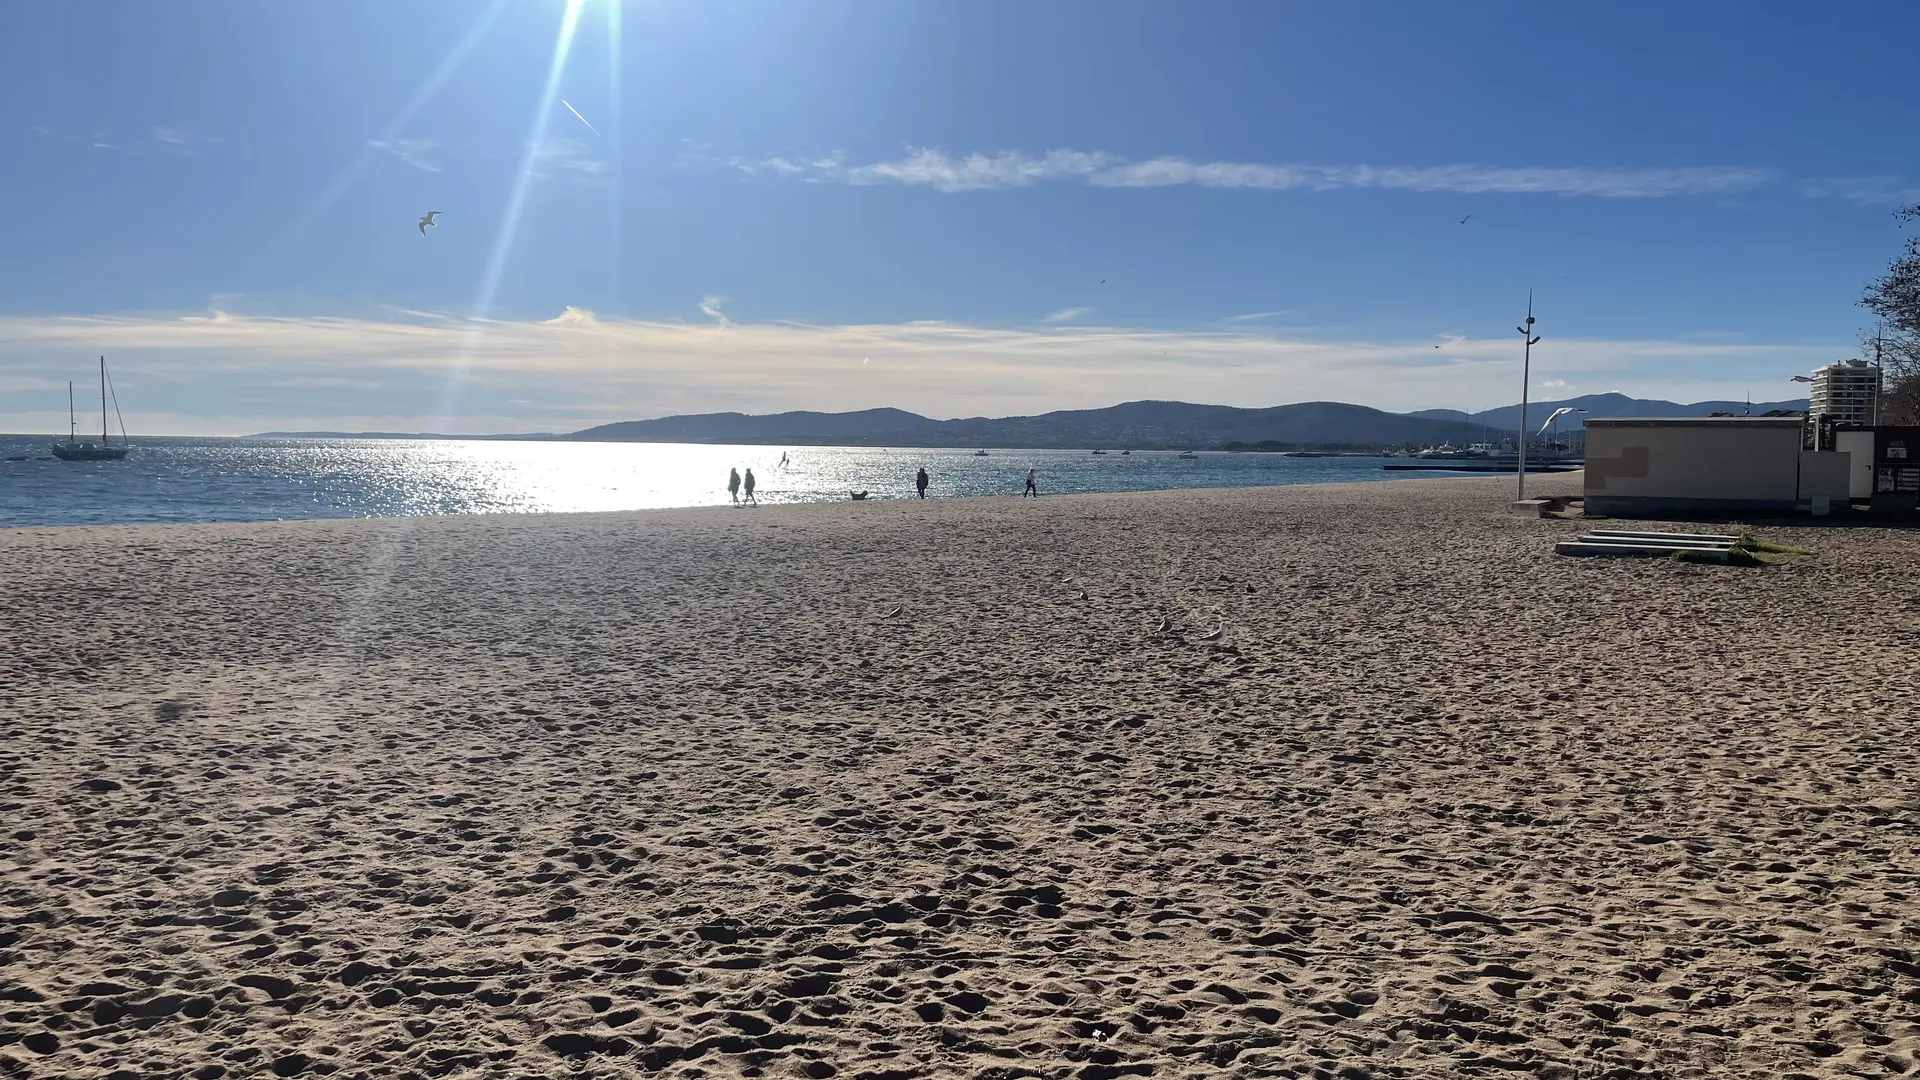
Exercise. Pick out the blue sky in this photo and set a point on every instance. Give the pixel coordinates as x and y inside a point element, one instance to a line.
<point>838,205</point>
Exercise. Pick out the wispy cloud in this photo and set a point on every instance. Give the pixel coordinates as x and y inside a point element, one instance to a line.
<point>1455,179</point>
<point>977,172</point>
<point>710,306</point>
<point>567,155</point>
<point>596,367</point>
<point>412,151</point>
<point>1067,315</point>
<point>181,141</point>
<point>937,169</point>
<point>577,317</point>
<point>1884,190</point>
<point>1261,316</point>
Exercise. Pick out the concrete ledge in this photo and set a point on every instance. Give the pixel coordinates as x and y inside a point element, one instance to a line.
<point>1717,547</point>
<point>1717,553</point>
<point>1531,507</point>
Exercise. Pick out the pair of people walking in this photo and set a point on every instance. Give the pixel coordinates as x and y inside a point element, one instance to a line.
<point>735,484</point>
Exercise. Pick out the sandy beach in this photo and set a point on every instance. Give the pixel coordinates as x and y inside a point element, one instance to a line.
<point>896,789</point>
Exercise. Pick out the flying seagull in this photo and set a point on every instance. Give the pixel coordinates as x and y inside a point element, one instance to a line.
<point>428,222</point>
<point>1466,219</point>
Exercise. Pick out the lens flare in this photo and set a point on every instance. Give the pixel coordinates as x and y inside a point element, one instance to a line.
<point>489,288</point>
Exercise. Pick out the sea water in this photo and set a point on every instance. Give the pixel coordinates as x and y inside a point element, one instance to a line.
<point>203,479</point>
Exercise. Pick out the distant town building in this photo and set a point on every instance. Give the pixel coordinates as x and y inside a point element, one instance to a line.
<point>1845,391</point>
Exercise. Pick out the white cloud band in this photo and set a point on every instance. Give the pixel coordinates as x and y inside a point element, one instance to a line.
<point>927,167</point>
<point>232,374</point>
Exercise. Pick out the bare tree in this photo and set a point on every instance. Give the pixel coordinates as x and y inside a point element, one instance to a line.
<point>1899,358</point>
<point>1895,298</point>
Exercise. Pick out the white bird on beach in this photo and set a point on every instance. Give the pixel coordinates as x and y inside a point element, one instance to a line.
<point>428,222</point>
<point>1214,634</point>
<point>1166,626</point>
<point>892,613</point>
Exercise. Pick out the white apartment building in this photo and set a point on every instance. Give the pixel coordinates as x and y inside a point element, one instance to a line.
<point>1846,391</point>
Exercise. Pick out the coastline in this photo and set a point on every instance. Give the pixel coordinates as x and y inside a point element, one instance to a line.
<point>671,793</point>
<point>217,508</point>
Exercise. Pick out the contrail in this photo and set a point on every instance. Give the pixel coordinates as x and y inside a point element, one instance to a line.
<point>577,116</point>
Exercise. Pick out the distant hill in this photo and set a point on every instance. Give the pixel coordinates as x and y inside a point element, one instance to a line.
<point>1606,406</point>
<point>390,435</point>
<point>1141,424</point>
<point>1145,425</point>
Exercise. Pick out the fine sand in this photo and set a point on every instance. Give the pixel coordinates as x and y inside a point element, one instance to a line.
<point>673,794</point>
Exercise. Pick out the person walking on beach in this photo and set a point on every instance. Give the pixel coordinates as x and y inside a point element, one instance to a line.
<point>733,485</point>
<point>920,482</point>
<point>1032,488</point>
<point>749,489</point>
<point>783,459</point>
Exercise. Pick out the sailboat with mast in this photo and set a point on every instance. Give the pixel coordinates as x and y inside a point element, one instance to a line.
<point>75,450</point>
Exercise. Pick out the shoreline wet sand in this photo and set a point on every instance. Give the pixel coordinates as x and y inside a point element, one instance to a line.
<point>678,793</point>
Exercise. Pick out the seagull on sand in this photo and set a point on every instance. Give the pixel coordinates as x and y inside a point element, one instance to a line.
<point>1165,627</point>
<point>892,613</point>
<point>428,222</point>
<point>1214,634</point>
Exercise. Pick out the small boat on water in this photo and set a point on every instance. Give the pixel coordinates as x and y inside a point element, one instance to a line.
<point>1126,453</point>
<point>1099,453</point>
<point>75,450</point>
<point>1187,455</point>
<point>979,453</point>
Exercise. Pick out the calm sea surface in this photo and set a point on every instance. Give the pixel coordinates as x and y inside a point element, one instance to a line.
<point>282,479</point>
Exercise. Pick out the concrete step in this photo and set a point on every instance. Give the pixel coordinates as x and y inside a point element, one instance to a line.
<point>1633,541</point>
<point>1718,553</point>
<point>1628,534</point>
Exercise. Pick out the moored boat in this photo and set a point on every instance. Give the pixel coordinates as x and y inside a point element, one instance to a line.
<point>74,449</point>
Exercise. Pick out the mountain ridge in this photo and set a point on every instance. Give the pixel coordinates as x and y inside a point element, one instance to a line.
<point>1142,425</point>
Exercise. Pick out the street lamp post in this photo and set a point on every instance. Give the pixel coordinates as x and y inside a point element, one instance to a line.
<point>1526,375</point>
<point>1811,429</point>
<point>1878,376</point>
